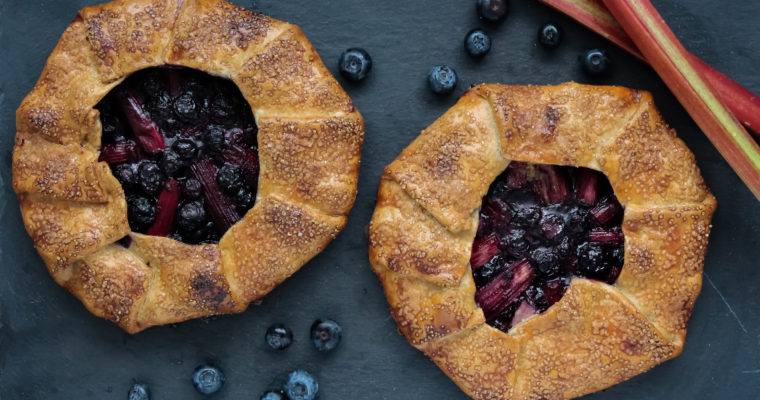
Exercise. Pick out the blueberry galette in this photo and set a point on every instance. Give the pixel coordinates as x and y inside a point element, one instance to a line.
<point>179,159</point>
<point>543,242</point>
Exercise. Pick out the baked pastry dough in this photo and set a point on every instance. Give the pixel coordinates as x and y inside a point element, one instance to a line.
<point>597,335</point>
<point>310,137</point>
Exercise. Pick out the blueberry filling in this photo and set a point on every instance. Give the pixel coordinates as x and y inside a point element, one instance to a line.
<point>540,226</point>
<point>183,145</point>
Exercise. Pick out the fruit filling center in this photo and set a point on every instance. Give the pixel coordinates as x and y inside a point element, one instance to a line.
<point>183,145</point>
<point>540,226</point>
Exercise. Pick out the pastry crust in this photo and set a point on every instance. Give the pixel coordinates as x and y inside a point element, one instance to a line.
<point>74,209</point>
<point>597,335</point>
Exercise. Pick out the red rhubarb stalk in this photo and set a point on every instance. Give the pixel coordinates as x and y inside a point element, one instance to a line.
<point>483,250</point>
<point>165,209</point>
<point>594,15</point>
<point>118,153</point>
<point>506,287</point>
<point>674,65</point>
<point>144,129</point>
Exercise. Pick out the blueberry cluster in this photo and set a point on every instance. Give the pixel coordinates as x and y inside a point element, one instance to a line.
<point>183,145</point>
<point>540,226</point>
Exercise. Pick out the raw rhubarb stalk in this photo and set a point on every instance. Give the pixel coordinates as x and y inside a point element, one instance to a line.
<point>222,210</point>
<point>585,186</point>
<point>165,209</point>
<point>144,129</point>
<point>483,250</point>
<point>118,153</point>
<point>505,288</point>
<point>594,15</point>
<point>676,68</point>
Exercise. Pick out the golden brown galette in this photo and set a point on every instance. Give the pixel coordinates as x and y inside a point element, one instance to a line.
<point>510,259</point>
<point>180,158</point>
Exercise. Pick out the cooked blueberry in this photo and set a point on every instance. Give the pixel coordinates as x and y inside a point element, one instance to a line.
<point>171,163</point>
<point>546,260</point>
<point>279,336</point>
<point>514,241</point>
<point>492,10</point>
<point>591,260</point>
<point>442,79</point>
<point>185,148</point>
<point>221,108</point>
<point>160,108</point>
<point>326,334</point>
<point>244,199</point>
<point>355,64</point>
<point>230,177</point>
<point>150,177</point>
<point>550,35</point>
<point>301,386</point>
<point>214,138</point>
<point>191,189</point>
<point>138,391</point>
<point>185,108</point>
<point>191,216</point>
<point>477,43</point>
<point>595,62</point>
<point>140,212</point>
<point>270,395</point>
<point>208,379</point>
<point>126,175</point>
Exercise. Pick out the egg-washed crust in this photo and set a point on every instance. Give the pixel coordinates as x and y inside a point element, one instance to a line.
<point>310,139</point>
<point>597,335</point>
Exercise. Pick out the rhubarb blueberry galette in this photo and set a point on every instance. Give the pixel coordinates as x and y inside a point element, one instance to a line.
<point>543,242</point>
<point>179,159</point>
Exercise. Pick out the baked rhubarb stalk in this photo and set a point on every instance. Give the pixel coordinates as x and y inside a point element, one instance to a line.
<point>594,15</point>
<point>677,69</point>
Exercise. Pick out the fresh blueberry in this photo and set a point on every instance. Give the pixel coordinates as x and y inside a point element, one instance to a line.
<point>208,379</point>
<point>326,334</point>
<point>151,177</point>
<point>279,336</point>
<point>492,10</point>
<point>477,43</point>
<point>301,386</point>
<point>442,79</point>
<point>270,395</point>
<point>138,391</point>
<point>595,62</point>
<point>355,64</point>
<point>550,35</point>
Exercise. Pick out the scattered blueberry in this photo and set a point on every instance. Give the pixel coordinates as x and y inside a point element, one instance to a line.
<point>326,334</point>
<point>595,62</point>
<point>355,64</point>
<point>477,43</point>
<point>301,386</point>
<point>550,35</point>
<point>270,395</point>
<point>279,336</point>
<point>208,379</point>
<point>442,79</point>
<point>138,391</point>
<point>492,10</point>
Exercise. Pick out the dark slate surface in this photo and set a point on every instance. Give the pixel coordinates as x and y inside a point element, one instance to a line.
<point>52,348</point>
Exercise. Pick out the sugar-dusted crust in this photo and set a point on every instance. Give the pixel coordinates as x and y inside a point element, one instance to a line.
<point>597,335</point>
<point>310,142</point>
